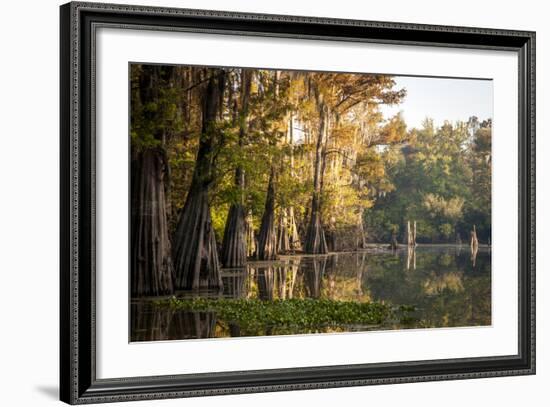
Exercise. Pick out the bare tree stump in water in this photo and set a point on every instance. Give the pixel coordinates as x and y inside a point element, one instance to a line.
<point>474,244</point>
<point>473,239</point>
<point>394,245</point>
<point>411,234</point>
<point>361,241</point>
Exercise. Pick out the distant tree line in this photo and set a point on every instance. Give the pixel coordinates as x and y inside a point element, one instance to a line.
<point>440,177</point>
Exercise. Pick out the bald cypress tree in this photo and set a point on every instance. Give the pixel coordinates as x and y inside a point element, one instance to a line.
<point>151,267</point>
<point>234,246</point>
<point>195,253</point>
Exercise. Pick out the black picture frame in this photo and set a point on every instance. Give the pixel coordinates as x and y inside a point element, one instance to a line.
<point>78,382</point>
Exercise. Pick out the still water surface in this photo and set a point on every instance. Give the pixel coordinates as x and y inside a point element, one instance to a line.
<point>446,284</point>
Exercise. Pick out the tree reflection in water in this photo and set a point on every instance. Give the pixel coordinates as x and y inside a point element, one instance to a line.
<point>450,287</point>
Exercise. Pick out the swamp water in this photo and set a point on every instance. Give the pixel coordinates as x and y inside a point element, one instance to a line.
<point>446,285</point>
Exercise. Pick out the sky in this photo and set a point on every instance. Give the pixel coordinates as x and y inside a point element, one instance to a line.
<point>442,99</point>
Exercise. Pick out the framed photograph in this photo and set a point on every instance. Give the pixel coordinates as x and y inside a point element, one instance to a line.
<point>255,203</point>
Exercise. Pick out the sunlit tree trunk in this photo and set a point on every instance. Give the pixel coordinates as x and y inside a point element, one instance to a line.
<point>474,244</point>
<point>195,254</point>
<point>283,241</point>
<point>411,234</point>
<point>293,235</point>
<point>251,242</point>
<point>361,237</point>
<point>315,237</point>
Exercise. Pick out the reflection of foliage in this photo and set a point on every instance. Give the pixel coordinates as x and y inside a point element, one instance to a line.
<point>445,288</point>
<point>448,281</point>
<point>296,313</point>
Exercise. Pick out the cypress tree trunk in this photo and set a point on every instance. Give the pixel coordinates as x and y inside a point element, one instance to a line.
<point>411,234</point>
<point>283,241</point>
<point>151,264</point>
<point>293,235</point>
<point>267,240</point>
<point>234,238</point>
<point>195,253</point>
<point>315,236</point>
<point>234,248</point>
<point>361,238</point>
